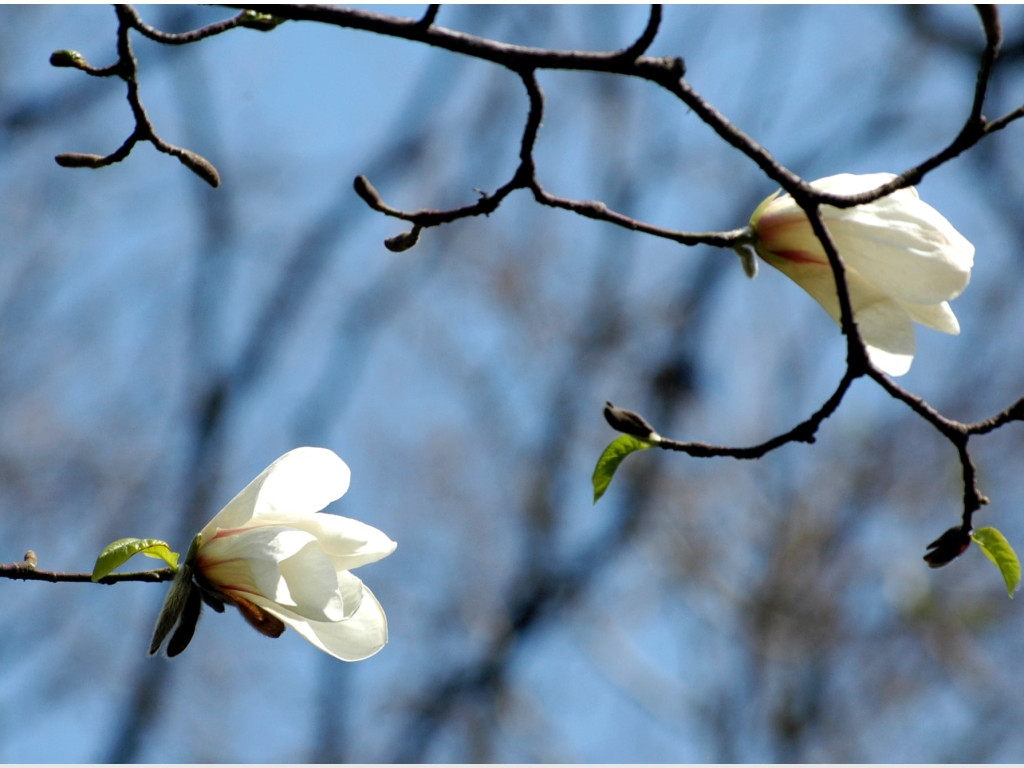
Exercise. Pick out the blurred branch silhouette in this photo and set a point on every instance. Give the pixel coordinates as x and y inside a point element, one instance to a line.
<point>738,610</point>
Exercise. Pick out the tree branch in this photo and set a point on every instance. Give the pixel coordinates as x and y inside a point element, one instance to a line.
<point>974,129</point>
<point>639,48</point>
<point>27,571</point>
<point>127,68</point>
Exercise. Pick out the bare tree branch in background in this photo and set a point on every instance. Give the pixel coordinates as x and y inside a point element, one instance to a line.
<point>720,611</point>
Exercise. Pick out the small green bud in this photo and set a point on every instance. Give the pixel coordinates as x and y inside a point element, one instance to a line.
<point>748,258</point>
<point>67,58</point>
<point>264,22</point>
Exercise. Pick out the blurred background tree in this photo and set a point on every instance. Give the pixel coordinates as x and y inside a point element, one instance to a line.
<point>163,342</point>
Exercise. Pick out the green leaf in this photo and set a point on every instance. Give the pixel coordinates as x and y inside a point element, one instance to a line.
<point>613,455</point>
<point>122,550</point>
<point>998,550</point>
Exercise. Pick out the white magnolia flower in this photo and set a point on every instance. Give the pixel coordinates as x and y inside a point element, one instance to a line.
<point>271,554</point>
<point>904,262</point>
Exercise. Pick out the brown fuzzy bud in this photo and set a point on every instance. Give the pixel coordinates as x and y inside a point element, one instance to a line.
<point>404,241</point>
<point>629,422</point>
<point>947,547</point>
<point>200,166</point>
<point>79,160</point>
<point>367,191</point>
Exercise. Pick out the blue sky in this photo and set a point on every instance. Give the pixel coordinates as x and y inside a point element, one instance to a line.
<point>715,610</point>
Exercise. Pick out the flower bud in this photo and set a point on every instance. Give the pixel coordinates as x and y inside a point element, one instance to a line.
<point>403,241</point>
<point>79,160</point>
<point>629,422</point>
<point>949,546</point>
<point>68,59</point>
<point>903,262</point>
<point>200,166</point>
<point>275,557</point>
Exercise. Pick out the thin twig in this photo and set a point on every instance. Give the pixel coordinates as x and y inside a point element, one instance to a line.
<point>127,68</point>
<point>430,15</point>
<point>27,571</point>
<point>804,432</point>
<point>184,38</point>
<point>642,43</point>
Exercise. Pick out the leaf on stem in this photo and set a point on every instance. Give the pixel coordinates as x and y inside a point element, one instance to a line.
<point>122,550</point>
<point>609,462</point>
<point>998,550</point>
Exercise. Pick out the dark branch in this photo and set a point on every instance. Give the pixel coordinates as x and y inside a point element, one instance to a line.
<point>974,129</point>
<point>514,57</point>
<point>525,176</point>
<point>804,432</point>
<point>192,36</point>
<point>27,571</point>
<point>1014,413</point>
<point>639,48</point>
<point>127,68</point>
<point>429,16</point>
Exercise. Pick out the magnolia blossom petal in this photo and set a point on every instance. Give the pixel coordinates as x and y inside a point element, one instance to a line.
<point>312,587</point>
<point>899,241</point>
<point>270,550</point>
<point>348,542</point>
<point>356,638</point>
<point>903,262</point>
<point>888,334</point>
<point>853,183</point>
<point>937,316</point>
<point>245,560</point>
<point>788,232</point>
<point>895,253</point>
<point>281,564</point>
<point>885,326</point>
<point>303,481</point>
<point>351,589</point>
<point>819,283</point>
